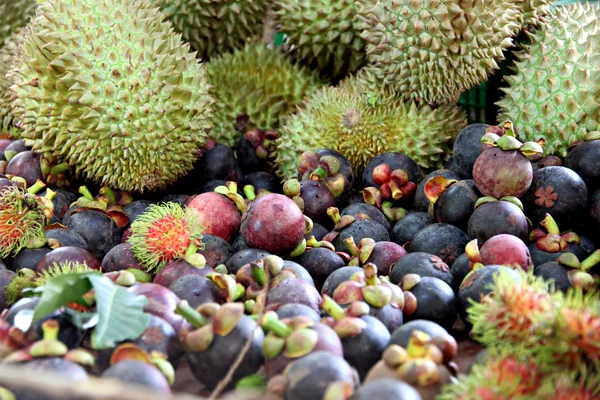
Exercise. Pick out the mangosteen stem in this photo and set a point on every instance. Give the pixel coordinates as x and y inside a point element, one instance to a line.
<point>259,274</point>
<point>192,256</point>
<point>249,192</point>
<point>85,192</point>
<point>50,194</point>
<point>59,168</point>
<point>105,190</point>
<point>332,308</point>
<point>192,316</point>
<point>37,186</point>
<point>50,329</point>
<point>351,246</point>
<point>273,324</point>
<point>318,174</point>
<point>334,214</point>
<point>550,224</point>
<point>417,343</point>
<point>591,261</point>
<point>370,271</point>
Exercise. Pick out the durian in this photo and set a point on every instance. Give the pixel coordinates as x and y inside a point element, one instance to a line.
<point>554,93</point>
<point>362,124</point>
<point>259,82</point>
<point>14,14</point>
<point>7,53</point>
<point>108,87</point>
<point>215,26</point>
<point>534,12</point>
<point>430,51</point>
<point>324,34</point>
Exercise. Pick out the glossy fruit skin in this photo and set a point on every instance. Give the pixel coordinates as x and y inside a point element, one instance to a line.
<point>540,257</point>
<point>211,365</point>
<point>583,159</point>
<point>68,253</point>
<point>456,205</point>
<point>506,250</point>
<point>467,147</point>
<point>407,227</point>
<point>293,291</point>
<point>435,302</point>
<point>443,240</point>
<point>218,215</point>
<point>26,165</point>
<point>67,237</point>
<point>294,310</point>
<point>26,258</point>
<point>243,257</point>
<point>119,258</point>
<point>320,263</point>
<point>216,250</point>
<point>359,230</point>
<point>161,302</point>
<point>595,211</point>
<point>139,373</point>
<point>421,201</point>
<point>557,272</point>
<point>336,278</point>
<point>386,388</point>
<point>317,199</point>
<point>422,264</point>
<point>560,192</point>
<point>495,218</point>
<point>196,290</point>
<point>262,180</point>
<point>500,173</point>
<point>364,350</point>
<point>100,232</point>
<point>176,269</point>
<point>273,223</point>
<point>359,210</point>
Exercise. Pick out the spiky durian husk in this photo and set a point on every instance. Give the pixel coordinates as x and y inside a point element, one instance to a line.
<point>215,26</point>
<point>14,14</point>
<point>163,233</point>
<point>260,82</point>
<point>7,54</point>
<point>108,87</point>
<point>362,124</point>
<point>534,12</point>
<point>324,34</point>
<point>22,220</point>
<point>505,374</point>
<point>554,93</point>
<point>430,51</point>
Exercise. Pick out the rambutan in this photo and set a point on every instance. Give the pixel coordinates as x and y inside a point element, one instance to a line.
<point>22,221</point>
<point>62,268</point>
<point>578,385</point>
<point>517,311</point>
<point>505,375</point>
<point>165,232</point>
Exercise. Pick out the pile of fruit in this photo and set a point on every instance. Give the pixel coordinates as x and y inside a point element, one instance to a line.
<point>181,193</point>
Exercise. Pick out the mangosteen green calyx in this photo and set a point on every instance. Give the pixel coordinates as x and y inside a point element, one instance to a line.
<point>358,228</point>
<point>364,338</point>
<point>549,243</point>
<point>567,271</point>
<point>387,301</point>
<point>290,339</point>
<point>215,338</point>
<point>420,364</point>
<point>331,168</point>
<point>503,169</point>
<point>23,217</point>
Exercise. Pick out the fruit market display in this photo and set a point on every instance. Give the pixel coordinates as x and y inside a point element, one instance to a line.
<point>192,204</point>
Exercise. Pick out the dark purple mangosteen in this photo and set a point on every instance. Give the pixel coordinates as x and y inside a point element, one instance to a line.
<point>313,197</point>
<point>135,209</point>
<point>293,291</point>
<point>176,269</point>
<point>68,253</point>
<point>495,218</point>
<point>65,237</point>
<point>197,290</point>
<point>396,160</point>
<point>443,240</point>
<point>99,230</point>
<point>243,257</point>
<point>422,264</point>
<point>119,258</point>
<point>361,229</point>
<point>421,201</point>
<point>457,203</point>
<point>138,373</point>
<point>161,302</point>
<point>595,212</point>
<point>331,168</point>
<point>16,147</point>
<point>239,244</point>
<point>62,200</point>
<point>583,159</point>
<point>318,231</point>
<point>320,263</point>
<point>26,165</point>
<point>338,276</point>
<point>216,250</point>
<point>460,269</point>
<point>296,310</point>
<point>26,258</point>
<point>435,300</point>
<point>386,388</point>
<point>549,244</point>
<point>263,181</point>
<point>558,191</point>
<point>254,148</point>
<point>467,147</point>
<point>362,210</point>
<point>405,229</point>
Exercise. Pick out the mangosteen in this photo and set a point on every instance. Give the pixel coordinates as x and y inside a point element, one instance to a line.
<point>27,166</point>
<point>443,240</point>
<point>119,258</point>
<point>26,258</point>
<point>329,167</point>
<point>405,229</point>
<point>501,249</point>
<point>358,230</point>
<point>68,253</point>
<point>386,388</point>
<point>583,159</point>
<point>318,231</point>
<point>62,200</point>
<point>435,299</point>
<point>6,277</point>
<point>179,268</point>
<point>396,160</point>
<point>595,212</point>
<point>457,203</point>
<point>476,285</point>
<point>439,336</point>
<point>273,223</point>
<point>289,311</point>
<point>313,197</point>
<point>587,244</point>
<point>197,290</point>
<point>216,250</point>
<point>467,147</point>
<point>310,377</point>
<point>422,264</point>
<point>567,272</point>
<point>299,336</point>
<point>135,209</point>
<point>243,257</point>
<point>320,263</point>
<point>100,231</point>
<point>253,149</point>
<point>65,237</point>
<point>336,277</point>
<point>363,337</point>
<point>549,243</point>
<point>263,181</point>
<point>421,201</point>
<point>495,218</point>
<point>161,302</point>
<point>460,269</point>
<point>217,162</point>
<point>366,211</point>
<point>293,291</point>
<point>558,191</point>
<point>239,244</point>
<point>138,373</point>
<point>218,336</point>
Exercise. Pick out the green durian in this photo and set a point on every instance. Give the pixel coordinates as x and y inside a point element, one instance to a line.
<point>324,34</point>
<point>554,93</point>
<point>362,124</point>
<point>430,51</point>
<point>14,14</point>
<point>215,26</point>
<point>260,82</point>
<point>7,54</point>
<point>534,12</point>
<point>109,88</point>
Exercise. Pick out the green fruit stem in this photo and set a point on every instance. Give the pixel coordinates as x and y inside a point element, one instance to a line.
<point>85,192</point>
<point>273,324</point>
<point>192,316</point>
<point>194,258</point>
<point>550,224</point>
<point>334,214</point>
<point>37,186</point>
<point>259,274</point>
<point>249,192</point>
<point>105,190</point>
<point>332,308</point>
<point>370,271</point>
<point>50,194</point>
<point>319,174</point>
<point>591,261</point>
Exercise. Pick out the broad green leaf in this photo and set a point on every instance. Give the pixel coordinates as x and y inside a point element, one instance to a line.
<point>82,320</point>
<point>120,313</point>
<point>62,290</point>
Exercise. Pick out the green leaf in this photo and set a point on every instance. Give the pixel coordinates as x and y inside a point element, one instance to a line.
<point>62,290</point>
<point>82,320</point>
<point>120,313</point>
